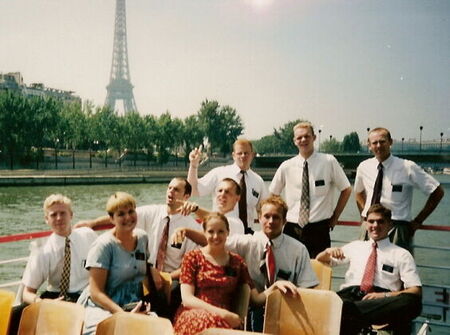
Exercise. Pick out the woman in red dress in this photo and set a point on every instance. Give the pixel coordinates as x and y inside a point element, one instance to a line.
<point>209,278</point>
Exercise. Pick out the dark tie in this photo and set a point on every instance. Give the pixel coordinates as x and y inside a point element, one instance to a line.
<point>369,272</point>
<point>304,200</point>
<point>65,276</point>
<point>243,201</point>
<point>270,263</point>
<point>161,255</point>
<point>377,186</point>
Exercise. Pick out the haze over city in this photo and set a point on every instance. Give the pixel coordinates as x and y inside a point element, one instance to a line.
<point>343,65</point>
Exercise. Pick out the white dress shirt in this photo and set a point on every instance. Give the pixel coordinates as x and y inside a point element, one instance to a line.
<point>325,175</point>
<point>236,225</point>
<point>400,176</point>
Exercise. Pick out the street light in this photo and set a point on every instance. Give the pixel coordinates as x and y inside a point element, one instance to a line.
<point>320,132</point>
<point>403,140</point>
<point>56,153</point>
<point>440,150</point>
<point>420,138</point>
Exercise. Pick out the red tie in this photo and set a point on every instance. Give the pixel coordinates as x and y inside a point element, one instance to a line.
<point>270,263</point>
<point>369,272</point>
<point>161,255</point>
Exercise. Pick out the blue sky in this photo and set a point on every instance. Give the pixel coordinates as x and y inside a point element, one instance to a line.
<point>345,65</point>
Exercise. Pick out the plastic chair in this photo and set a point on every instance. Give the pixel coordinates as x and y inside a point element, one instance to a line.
<point>221,331</point>
<point>313,312</point>
<point>6,302</point>
<point>323,273</point>
<point>48,317</point>
<point>133,323</point>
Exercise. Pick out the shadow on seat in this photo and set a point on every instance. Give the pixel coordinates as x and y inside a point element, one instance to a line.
<point>241,301</point>
<point>52,317</point>
<point>323,273</point>
<point>220,331</point>
<point>313,312</point>
<point>166,285</point>
<point>136,324</point>
<point>6,302</point>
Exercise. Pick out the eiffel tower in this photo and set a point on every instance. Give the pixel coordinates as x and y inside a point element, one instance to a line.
<point>120,87</point>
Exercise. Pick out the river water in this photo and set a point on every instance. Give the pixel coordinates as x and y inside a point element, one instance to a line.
<point>21,211</point>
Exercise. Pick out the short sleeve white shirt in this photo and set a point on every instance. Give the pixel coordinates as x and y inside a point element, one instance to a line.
<point>46,262</point>
<point>153,219</point>
<point>256,189</point>
<point>395,265</point>
<point>400,177</point>
<point>325,175</point>
<point>291,258</point>
<point>236,225</point>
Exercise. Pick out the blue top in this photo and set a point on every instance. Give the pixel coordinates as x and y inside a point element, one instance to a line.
<point>126,269</point>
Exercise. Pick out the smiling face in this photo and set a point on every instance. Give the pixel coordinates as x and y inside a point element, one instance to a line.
<point>226,197</point>
<point>380,144</point>
<point>216,232</point>
<point>176,191</point>
<point>59,216</point>
<point>271,219</point>
<point>124,218</point>
<point>377,226</point>
<point>243,155</point>
<point>304,141</point>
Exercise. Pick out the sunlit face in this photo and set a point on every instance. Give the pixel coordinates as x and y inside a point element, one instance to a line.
<point>175,191</point>
<point>380,145</point>
<point>271,219</point>
<point>216,233</point>
<point>377,226</point>
<point>124,218</point>
<point>243,156</point>
<point>226,197</point>
<point>304,141</point>
<point>59,216</point>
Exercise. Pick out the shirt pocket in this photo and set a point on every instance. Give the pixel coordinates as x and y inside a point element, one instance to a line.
<point>321,187</point>
<point>398,188</point>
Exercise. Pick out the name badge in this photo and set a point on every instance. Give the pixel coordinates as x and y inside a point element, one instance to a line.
<point>388,268</point>
<point>230,272</point>
<point>397,188</point>
<point>320,182</point>
<point>140,256</point>
<point>283,274</point>
<point>255,194</point>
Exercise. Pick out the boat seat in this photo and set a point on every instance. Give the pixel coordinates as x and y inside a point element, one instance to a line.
<point>221,331</point>
<point>52,317</point>
<point>241,301</point>
<point>313,312</point>
<point>133,323</point>
<point>323,273</point>
<point>6,303</point>
<point>166,285</point>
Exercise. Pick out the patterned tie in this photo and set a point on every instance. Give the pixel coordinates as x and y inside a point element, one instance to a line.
<point>376,196</point>
<point>161,255</point>
<point>304,200</point>
<point>270,263</point>
<point>243,201</point>
<point>65,276</point>
<point>369,272</point>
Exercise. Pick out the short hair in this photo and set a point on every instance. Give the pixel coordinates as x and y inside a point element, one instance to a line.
<point>243,141</point>
<point>304,124</point>
<point>380,209</point>
<point>237,187</point>
<point>276,201</point>
<point>187,185</point>
<point>216,215</point>
<point>119,199</point>
<point>57,199</point>
<point>388,133</point>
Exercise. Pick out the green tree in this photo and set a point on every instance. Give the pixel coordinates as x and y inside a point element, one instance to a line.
<point>268,144</point>
<point>285,135</point>
<point>351,143</point>
<point>192,135</point>
<point>134,133</point>
<point>331,146</point>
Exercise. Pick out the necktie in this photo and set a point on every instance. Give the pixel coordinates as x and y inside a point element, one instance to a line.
<point>377,186</point>
<point>369,272</point>
<point>65,276</point>
<point>161,255</point>
<point>304,200</point>
<point>270,263</point>
<point>243,201</point>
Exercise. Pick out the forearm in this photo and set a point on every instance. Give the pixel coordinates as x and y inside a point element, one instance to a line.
<point>191,301</point>
<point>192,178</point>
<point>430,205</point>
<point>196,236</point>
<point>342,201</point>
<point>360,200</point>
<point>102,299</point>
<point>29,295</point>
<point>101,220</point>
<point>324,257</point>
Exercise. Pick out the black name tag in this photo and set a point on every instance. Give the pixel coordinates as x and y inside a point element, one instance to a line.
<point>176,245</point>
<point>320,182</point>
<point>388,268</point>
<point>255,194</point>
<point>397,188</point>
<point>283,274</point>
<point>230,272</point>
<point>140,256</point>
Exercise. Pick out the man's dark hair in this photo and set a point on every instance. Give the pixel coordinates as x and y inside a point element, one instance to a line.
<point>380,209</point>
<point>237,187</point>
<point>187,185</point>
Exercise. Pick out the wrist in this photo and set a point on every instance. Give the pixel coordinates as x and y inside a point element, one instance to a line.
<point>195,209</point>
<point>387,294</point>
<point>194,166</point>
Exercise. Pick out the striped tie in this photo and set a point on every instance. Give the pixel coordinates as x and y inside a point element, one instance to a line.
<point>161,255</point>
<point>65,276</point>
<point>304,200</point>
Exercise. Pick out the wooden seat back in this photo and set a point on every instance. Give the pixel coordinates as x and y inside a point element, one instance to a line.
<point>241,301</point>
<point>313,312</point>
<point>6,302</point>
<point>166,285</point>
<point>323,273</point>
<point>133,323</point>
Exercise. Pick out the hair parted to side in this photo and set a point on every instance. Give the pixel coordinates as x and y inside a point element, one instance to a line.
<point>237,187</point>
<point>243,141</point>
<point>304,124</point>
<point>380,129</point>
<point>119,199</point>
<point>276,201</point>
<point>187,185</point>
<point>380,209</point>
<point>215,215</point>
<point>57,199</point>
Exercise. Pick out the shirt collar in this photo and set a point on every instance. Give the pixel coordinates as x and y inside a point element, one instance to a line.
<point>381,243</point>
<point>302,159</point>
<point>277,242</point>
<point>237,170</point>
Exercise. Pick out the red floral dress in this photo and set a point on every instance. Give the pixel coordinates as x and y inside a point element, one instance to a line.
<point>214,284</point>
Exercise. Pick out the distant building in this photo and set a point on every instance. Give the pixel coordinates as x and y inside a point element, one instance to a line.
<point>13,81</point>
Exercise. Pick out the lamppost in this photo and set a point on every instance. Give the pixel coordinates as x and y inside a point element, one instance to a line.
<point>420,138</point>
<point>403,140</point>
<point>368,129</point>
<point>440,149</point>
<point>320,132</point>
<point>56,153</point>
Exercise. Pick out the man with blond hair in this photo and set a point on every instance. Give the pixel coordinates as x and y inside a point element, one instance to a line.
<point>252,185</point>
<point>309,180</point>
